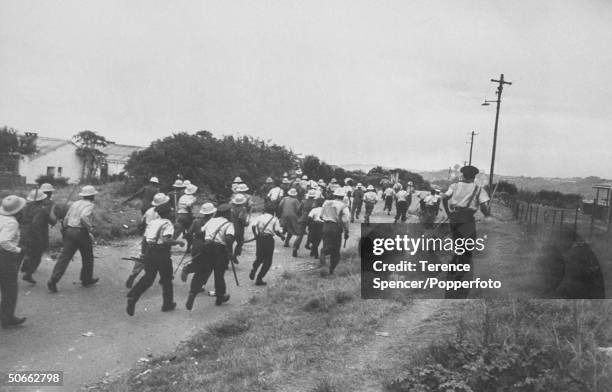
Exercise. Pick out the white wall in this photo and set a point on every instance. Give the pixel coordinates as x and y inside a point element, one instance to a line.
<point>65,157</point>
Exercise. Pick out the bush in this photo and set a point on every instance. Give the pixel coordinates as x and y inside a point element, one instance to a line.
<point>58,182</point>
<point>204,159</point>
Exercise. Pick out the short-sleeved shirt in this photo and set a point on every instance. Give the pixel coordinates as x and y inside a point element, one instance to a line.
<point>9,234</point>
<point>389,192</point>
<point>276,193</point>
<point>370,197</point>
<point>335,211</point>
<point>185,203</point>
<point>459,195</point>
<point>402,195</point>
<point>315,214</point>
<point>79,211</point>
<point>150,215</point>
<point>157,229</point>
<point>267,224</point>
<point>220,227</point>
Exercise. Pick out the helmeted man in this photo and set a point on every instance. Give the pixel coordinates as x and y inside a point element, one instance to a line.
<point>285,185</point>
<point>10,258</point>
<point>389,195</point>
<point>35,232</point>
<point>266,187</point>
<point>177,191</point>
<point>289,210</point>
<point>159,236</point>
<point>335,216</point>
<point>275,195</point>
<point>402,202</point>
<point>331,187</point>
<point>370,199</point>
<point>78,226</point>
<point>430,205</point>
<point>461,201</point>
<point>243,189</point>
<point>149,216</point>
<point>315,228</point>
<point>264,228</point>
<point>218,235</point>
<point>307,205</point>
<point>237,181</point>
<point>357,202</point>
<point>184,213</point>
<point>200,263</point>
<point>146,194</point>
<point>240,220</point>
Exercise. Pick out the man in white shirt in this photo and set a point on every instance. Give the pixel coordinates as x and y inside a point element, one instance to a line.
<point>370,198</point>
<point>335,216</point>
<point>78,225</point>
<point>159,237</point>
<point>10,258</point>
<point>219,236</point>
<point>264,228</point>
<point>461,201</point>
<point>388,194</point>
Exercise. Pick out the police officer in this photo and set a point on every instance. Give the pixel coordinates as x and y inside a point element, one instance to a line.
<point>78,226</point>
<point>218,238</point>
<point>461,201</point>
<point>10,257</point>
<point>35,232</point>
<point>370,198</point>
<point>159,236</point>
<point>146,194</point>
<point>335,216</point>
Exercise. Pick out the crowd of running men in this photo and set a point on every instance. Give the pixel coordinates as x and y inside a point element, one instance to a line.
<point>314,212</point>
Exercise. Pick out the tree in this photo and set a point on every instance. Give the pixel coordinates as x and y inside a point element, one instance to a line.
<point>12,144</point>
<point>88,148</point>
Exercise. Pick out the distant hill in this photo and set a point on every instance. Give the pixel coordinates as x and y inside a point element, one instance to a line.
<point>364,167</point>
<point>578,185</point>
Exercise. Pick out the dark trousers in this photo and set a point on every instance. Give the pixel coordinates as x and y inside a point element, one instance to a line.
<point>388,203</point>
<point>332,241</point>
<point>216,260</point>
<point>263,255</point>
<point>315,233</point>
<point>9,267</point>
<point>401,207</point>
<point>183,222</point>
<point>200,271</point>
<point>32,255</point>
<point>369,207</point>
<point>75,239</point>
<point>356,208</point>
<point>157,260</point>
<point>300,235</point>
<point>462,225</point>
<point>239,237</point>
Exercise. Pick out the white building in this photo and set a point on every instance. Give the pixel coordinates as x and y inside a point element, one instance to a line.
<point>55,157</point>
<point>58,158</point>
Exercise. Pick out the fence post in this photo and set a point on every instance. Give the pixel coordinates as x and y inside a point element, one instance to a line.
<point>537,213</point>
<point>554,217</point>
<point>529,212</point>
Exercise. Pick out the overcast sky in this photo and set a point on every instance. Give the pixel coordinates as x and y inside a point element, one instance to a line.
<point>396,83</point>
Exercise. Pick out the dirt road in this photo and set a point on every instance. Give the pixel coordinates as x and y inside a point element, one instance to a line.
<point>86,333</point>
<point>53,337</point>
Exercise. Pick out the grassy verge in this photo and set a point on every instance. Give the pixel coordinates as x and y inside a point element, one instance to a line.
<point>110,215</point>
<point>289,338</point>
<point>519,346</point>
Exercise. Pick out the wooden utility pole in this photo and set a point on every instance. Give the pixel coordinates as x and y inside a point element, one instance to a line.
<point>471,142</point>
<point>500,88</point>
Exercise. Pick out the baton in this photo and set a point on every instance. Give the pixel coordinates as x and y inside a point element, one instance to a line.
<point>182,259</point>
<point>345,242</point>
<point>232,257</point>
